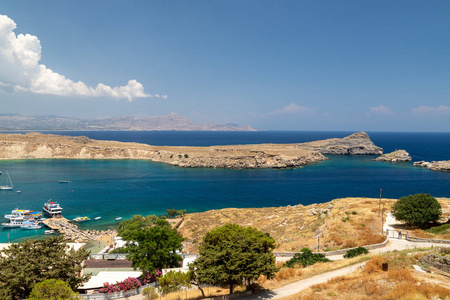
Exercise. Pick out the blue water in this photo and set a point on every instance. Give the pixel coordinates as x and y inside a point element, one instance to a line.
<point>127,187</point>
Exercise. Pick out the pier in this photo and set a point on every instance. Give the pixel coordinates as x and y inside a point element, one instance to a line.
<point>68,229</point>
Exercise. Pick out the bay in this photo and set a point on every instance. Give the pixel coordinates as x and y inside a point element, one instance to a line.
<point>127,187</point>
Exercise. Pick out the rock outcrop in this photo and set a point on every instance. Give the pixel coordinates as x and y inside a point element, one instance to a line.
<point>356,144</point>
<point>38,145</point>
<point>443,165</point>
<point>396,156</point>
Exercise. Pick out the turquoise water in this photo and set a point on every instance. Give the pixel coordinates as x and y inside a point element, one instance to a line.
<point>124,187</point>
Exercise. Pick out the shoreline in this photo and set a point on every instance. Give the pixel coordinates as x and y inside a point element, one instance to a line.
<point>36,145</point>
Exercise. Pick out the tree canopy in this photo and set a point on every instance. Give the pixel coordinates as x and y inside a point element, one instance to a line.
<point>151,243</point>
<point>52,289</point>
<point>417,210</point>
<point>232,253</point>
<point>25,264</point>
<point>173,281</point>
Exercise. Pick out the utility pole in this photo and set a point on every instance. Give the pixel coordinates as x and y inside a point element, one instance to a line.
<point>382,212</point>
<point>379,203</point>
<point>318,247</point>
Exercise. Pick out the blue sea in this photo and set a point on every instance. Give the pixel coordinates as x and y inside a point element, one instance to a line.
<point>124,188</point>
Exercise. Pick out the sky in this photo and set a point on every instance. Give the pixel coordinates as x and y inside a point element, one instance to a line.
<point>274,65</point>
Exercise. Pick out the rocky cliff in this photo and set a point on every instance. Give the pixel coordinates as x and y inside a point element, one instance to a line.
<point>356,144</point>
<point>396,156</point>
<point>38,145</point>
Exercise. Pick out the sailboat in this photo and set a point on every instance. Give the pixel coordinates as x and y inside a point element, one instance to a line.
<point>6,186</point>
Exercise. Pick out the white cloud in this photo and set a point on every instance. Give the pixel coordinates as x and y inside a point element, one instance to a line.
<point>20,71</point>
<point>292,109</point>
<point>381,110</point>
<point>440,110</point>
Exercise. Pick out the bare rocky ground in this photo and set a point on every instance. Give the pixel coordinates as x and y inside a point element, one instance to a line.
<point>341,223</point>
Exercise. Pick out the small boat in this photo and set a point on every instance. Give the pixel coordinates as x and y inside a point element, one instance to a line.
<point>19,192</point>
<point>64,181</point>
<point>30,225</point>
<point>118,218</point>
<point>49,231</point>
<point>6,186</point>
<point>82,219</point>
<point>97,218</point>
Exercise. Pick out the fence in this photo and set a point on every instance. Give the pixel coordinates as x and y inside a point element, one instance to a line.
<point>117,295</point>
<point>398,234</point>
<point>336,252</point>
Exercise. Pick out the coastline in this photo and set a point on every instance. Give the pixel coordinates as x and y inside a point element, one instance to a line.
<point>39,146</point>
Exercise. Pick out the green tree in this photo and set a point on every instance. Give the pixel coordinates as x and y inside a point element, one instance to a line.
<point>25,264</point>
<point>231,253</point>
<point>151,243</point>
<point>417,210</point>
<point>52,289</point>
<point>173,281</point>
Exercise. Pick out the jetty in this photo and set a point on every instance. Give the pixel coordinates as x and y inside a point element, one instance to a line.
<point>70,231</point>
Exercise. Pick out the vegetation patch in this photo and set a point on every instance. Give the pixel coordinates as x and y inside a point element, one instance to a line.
<point>355,252</point>
<point>306,258</point>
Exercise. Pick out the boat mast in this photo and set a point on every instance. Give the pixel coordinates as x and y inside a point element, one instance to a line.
<point>10,182</point>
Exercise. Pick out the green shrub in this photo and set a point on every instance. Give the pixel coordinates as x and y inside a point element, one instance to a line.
<point>306,258</point>
<point>150,293</point>
<point>355,252</point>
<point>186,156</point>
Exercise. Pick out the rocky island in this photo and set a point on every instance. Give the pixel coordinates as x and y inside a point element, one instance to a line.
<point>443,165</point>
<point>396,156</point>
<point>47,146</point>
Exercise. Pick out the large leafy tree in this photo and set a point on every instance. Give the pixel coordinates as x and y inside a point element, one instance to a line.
<point>417,210</point>
<point>25,264</point>
<point>232,253</point>
<point>151,243</point>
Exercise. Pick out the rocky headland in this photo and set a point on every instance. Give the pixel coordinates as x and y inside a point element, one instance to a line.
<point>47,146</point>
<point>356,144</point>
<point>443,165</point>
<point>396,156</point>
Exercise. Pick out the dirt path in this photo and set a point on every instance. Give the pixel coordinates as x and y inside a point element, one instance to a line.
<point>298,286</point>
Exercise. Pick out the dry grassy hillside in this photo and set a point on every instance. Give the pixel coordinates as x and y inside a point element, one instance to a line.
<point>341,223</point>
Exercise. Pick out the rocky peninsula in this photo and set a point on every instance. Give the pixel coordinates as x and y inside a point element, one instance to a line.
<point>443,165</point>
<point>47,146</point>
<point>396,156</point>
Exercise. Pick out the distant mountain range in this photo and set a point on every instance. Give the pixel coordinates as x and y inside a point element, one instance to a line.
<point>171,121</point>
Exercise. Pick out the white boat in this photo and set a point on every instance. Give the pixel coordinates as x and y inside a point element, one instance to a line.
<point>30,225</point>
<point>52,209</point>
<point>118,218</point>
<point>82,219</point>
<point>51,231</point>
<point>97,218</point>
<point>6,186</point>
<point>17,213</point>
<point>13,223</point>
<point>64,181</point>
